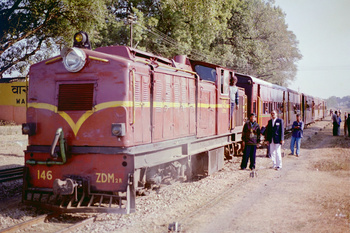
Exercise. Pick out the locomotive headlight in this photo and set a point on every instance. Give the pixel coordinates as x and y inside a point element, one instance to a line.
<point>29,128</point>
<point>81,40</point>
<point>118,129</point>
<point>74,59</point>
<point>79,37</point>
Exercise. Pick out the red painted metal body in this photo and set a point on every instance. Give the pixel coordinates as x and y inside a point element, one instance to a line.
<point>107,176</point>
<point>129,119</point>
<point>263,97</point>
<point>168,111</point>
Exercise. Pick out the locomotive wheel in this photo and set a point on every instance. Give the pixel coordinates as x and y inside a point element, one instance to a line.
<point>229,152</point>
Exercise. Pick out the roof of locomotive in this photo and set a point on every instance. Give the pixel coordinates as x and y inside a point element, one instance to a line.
<point>131,53</point>
<point>261,82</point>
<point>180,62</point>
<point>128,53</point>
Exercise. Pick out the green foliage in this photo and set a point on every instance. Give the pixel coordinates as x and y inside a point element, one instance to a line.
<point>250,36</point>
<point>260,43</point>
<point>338,103</point>
<point>31,30</point>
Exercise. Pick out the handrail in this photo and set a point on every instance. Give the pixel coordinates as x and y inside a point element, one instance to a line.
<point>59,135</point>
<point>133,95</point>
<point>165,66</point>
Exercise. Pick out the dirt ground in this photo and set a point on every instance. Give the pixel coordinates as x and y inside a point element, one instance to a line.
<point>12,145</point>
<point>310,194</point>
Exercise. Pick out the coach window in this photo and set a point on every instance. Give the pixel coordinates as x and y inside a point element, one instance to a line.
<point>206,73</point>
<point>266,108</point>
<point>225,78</point>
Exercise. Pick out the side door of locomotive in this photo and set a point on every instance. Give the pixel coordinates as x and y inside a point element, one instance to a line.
<point>206,113</point>
<point>223,122</point>
<point>162,102</point>
<point>142,97</point>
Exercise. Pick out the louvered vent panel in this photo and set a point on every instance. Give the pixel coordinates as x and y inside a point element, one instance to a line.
<point>138,90</point>
<point>177,91</point>
<point>184,96</point>
<point>168,93</point>
<point>75,97</point>
<point>145,89</point>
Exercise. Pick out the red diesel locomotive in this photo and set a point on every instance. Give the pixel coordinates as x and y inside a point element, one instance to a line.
<point>107,123</point>
<point>103,124</point>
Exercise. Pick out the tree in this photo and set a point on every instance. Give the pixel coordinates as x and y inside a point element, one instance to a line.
<point>169,27</point>
<point>31,29</point>
<point>248,36</point>
<point>260,43</point>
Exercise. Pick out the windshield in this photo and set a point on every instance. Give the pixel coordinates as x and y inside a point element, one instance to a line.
<point>206,73</point>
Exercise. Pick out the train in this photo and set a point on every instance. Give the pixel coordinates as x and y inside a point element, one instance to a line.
<point>106,124</point>
<point>263,97</point>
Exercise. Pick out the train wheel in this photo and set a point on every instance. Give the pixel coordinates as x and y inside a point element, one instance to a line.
<point>230,151</point>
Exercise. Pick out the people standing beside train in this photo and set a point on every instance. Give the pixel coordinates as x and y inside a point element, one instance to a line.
<point>345,124</point>
<point>339,122</point>
<point>348,123</point>
<point>297,134</point>
<point>250,140</point>
<point>275,138</point>
<point>335,123</point>
<point>234,99</point>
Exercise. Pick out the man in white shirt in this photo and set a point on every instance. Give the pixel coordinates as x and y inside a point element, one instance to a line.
<point>234,99</point>
<point>275,137</point>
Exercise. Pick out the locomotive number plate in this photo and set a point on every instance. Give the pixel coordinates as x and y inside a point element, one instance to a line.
<point>44,175</point>
<point>108,178</point>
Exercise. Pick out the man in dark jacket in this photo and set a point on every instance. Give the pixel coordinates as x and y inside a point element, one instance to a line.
<point>336,123</point>
<point>275,137</point>
<point>348,124</point>
<point>250,139</point>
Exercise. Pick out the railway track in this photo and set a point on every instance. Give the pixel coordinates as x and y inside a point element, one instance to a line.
<point>11,174</point>
<point>45,222</point>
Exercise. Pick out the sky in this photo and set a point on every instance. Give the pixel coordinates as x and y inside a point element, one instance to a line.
<point>322,28</point>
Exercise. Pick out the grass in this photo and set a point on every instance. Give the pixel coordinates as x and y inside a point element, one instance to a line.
<point>11,123</point>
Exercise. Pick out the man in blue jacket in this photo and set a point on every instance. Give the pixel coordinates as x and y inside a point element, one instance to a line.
<point>297,134</point>
<point>275,137</point>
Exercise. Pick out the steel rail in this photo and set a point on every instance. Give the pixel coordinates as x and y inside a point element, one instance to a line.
<point>80,224</point>
<point>43,218</point>
<point>11,174</point>
<point>25,224</point>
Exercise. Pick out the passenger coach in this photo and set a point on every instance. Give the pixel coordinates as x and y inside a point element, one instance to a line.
<point>263,97</point>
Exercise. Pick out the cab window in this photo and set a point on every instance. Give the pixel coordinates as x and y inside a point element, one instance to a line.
<point>206,73</point>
